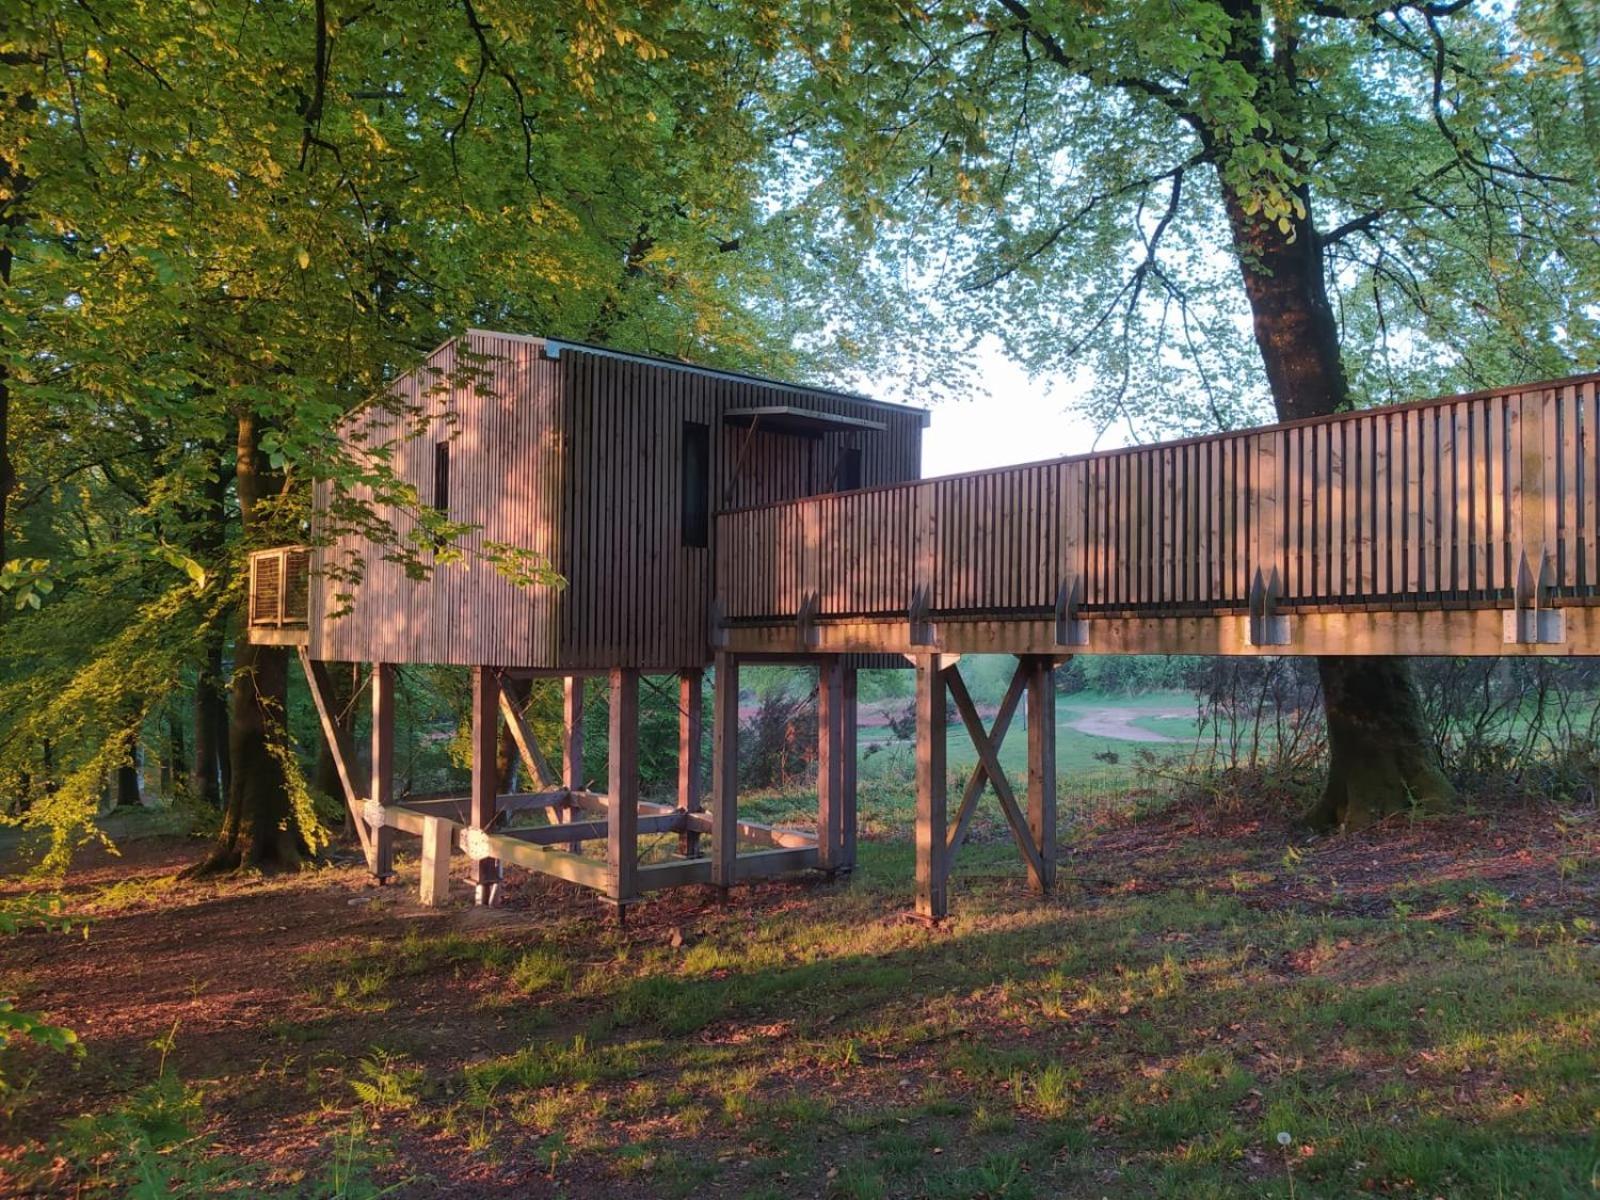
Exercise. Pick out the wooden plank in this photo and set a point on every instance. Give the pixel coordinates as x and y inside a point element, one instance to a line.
<point>849,761</point>
<point>830,686</point>
<point>485,873</point>
<point>560,864</point>
<point>988,755</point>
<point>725,769</point>
<point>339,748</point>
<point>932,893</point>
<point>980,773</point>
<point>622,775</point>
<point>691,766</point>
<point>434,886</point>
<point>382,684</point>
<point>758,864</point>
<point>1042,771</point>
<point>533,758</point>
<point>589,831</point>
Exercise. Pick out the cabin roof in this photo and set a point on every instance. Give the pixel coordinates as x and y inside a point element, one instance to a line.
<point>554,346</point>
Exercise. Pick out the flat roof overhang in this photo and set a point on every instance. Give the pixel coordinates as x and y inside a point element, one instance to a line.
<point>786,418</point>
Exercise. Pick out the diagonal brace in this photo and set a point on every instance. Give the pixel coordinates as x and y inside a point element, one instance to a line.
<point>988,745</point>
<point>343,753</point>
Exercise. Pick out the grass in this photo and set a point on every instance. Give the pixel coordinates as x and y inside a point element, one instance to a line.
<point>1150,1030</point>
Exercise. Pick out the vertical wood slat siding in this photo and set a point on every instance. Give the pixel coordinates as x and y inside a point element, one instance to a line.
<point>1422,504</point>
<point>635,593</point>
<point>502,426</point>
<point>578,458</point>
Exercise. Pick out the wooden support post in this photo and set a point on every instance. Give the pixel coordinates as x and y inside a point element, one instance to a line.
<point>437,835</point>
<point>485,779</point>
<point>849,758</point>
<point>572,746</point>
<point>932,864</point>
<point>1042,770</point>
<point>725,772</point>
<point>622,804</point>
<point>382,792</point>
<point>830,735</point>
<point>690,689</point>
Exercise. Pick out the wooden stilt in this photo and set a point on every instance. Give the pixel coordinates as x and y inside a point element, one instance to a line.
<point>383,765</point>
<point>436,837</point>
<point>725,772</point>
<point>690,689</point>
<point>830,776</point>
<point>849,758</point>
<point>572,745</point>
<point>485,781</point>
<point>932,863</point>
<point>622,804</point>
<point>1042,770</point>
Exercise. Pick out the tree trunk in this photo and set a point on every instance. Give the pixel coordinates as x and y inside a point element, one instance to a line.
<point>13,186</point>
<point>1379,758</point>
<point>128,793</point>
<point>258,828</point>
<point>207,779</point>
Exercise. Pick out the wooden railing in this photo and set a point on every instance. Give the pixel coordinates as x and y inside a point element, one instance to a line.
<point>279,587</point>
<point>1484,500</point>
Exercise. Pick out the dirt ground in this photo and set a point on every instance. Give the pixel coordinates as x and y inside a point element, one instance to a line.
<point>239,979</point>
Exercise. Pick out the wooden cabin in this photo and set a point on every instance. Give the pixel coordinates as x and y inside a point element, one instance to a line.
<point>702,516</point>
<point>611,466</point>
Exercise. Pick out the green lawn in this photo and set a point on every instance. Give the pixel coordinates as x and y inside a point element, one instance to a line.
<point>1417,1013</point>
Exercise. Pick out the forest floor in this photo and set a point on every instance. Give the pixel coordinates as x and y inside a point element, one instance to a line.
<point>1415,1008</point>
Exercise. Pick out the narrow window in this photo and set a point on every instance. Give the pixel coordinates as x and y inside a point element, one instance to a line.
<point>847,478</point>
<point>696,484</point>
<point>441,478</point>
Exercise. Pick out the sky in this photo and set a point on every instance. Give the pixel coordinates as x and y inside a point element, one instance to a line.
<point>1008,418</point>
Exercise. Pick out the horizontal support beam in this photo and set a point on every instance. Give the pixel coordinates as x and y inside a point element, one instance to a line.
<point>767,835</point>
<point>1409,632</point>
<point>757,864</point>
<point>590,872</point>
<point>588,831</point>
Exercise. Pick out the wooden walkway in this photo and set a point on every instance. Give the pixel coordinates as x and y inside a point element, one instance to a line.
<point>1465,525</point>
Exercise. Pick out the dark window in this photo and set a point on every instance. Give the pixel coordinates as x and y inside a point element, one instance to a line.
<point>696,484</point>
<point>847,478</point>
<point>441,478</point>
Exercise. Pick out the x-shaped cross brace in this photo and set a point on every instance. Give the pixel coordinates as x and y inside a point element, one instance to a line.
<point>988,742</point>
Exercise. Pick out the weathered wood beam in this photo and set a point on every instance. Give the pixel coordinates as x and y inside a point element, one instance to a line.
<point>989,757</point>
<point>690,766</point>
<point>751,831</point>
<point>561,864</point>
<point>622,813</point>
<point>485,782</point>
<point>932,893</point>
<point>757,864</point>
<point>1042,770</point>
<point>437,836</point>
<point>382,792</point>
<point>588,831</point>
<point>830,778</point>
<point>339,747</point>
<point>725,771</point>
<point>849,766</point>
<point>533,758</point>
<point>572,742</point>
<point>980,773</point>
